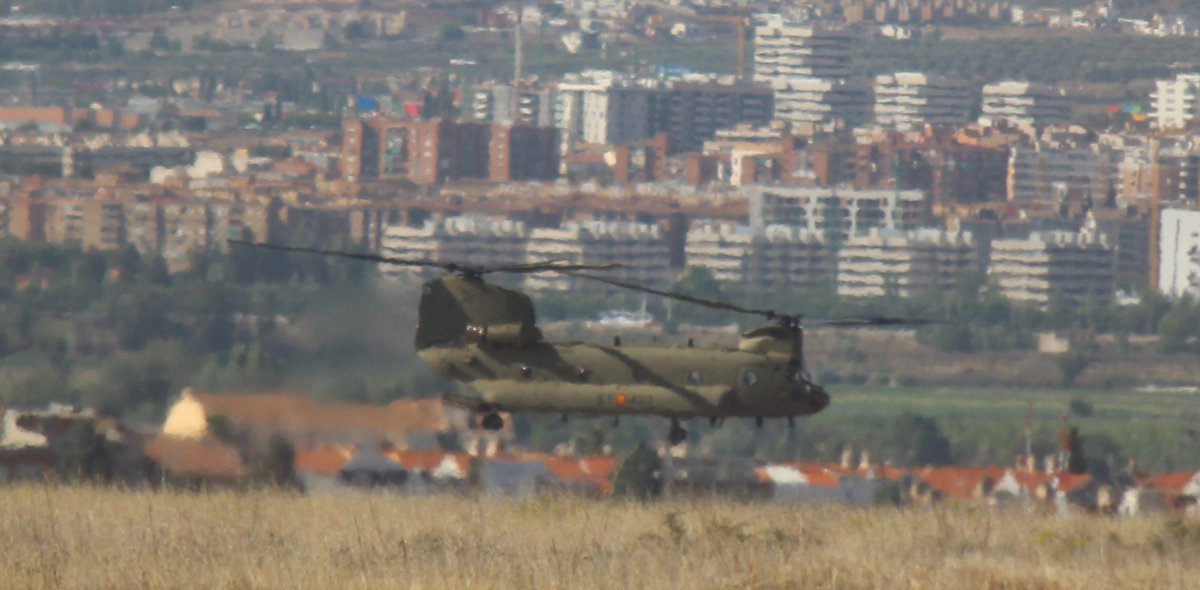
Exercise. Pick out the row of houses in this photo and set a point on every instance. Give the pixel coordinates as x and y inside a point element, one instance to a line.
<point>401,448</point>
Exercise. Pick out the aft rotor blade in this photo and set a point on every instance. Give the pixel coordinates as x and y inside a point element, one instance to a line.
<point>721,305</point>
<point>869,322</point>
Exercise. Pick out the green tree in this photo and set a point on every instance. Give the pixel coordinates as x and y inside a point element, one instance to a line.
<point>275,465</point>
<point>220,427</point>
<point>917,440</point>
<point>452,33</point>
<point>1071,364</point>
<point>1077,462</point>
<point>640,474</point>
<point>84,456</point>
<point>1178,330</point>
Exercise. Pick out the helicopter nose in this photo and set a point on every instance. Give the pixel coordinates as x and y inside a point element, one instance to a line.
<point>818,397</point>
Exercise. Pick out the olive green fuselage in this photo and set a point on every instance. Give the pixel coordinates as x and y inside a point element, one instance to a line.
<point>594,379</point>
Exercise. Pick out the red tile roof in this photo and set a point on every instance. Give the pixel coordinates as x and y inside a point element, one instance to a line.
<point>192,458</point>
<point>958,482</point>
<point>1176,482</point>
<point>325,461</point>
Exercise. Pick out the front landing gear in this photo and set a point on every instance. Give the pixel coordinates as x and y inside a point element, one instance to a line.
<point>492,421</point>
<point>677,434</point>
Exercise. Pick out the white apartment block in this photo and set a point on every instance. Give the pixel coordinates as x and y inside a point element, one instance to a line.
<point>466,240</point>
<point>1025,103</point>
<point>808,65</point>
<point>788,50</point>
<point>778,257</point>
<point>905,264</point>
<point>831,211</point>
<point>641,249</point>
<point>832,103</point>
<point>723,249</point>
<point>1072,266</point>
<point>1174,103</point>
<point>786,257</point>
<point>906,100</point>
<point>1036,173</point>
<point>1179,253</point>
<point>601,108</point>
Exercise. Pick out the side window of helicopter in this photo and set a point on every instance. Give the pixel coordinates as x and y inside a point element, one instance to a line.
<point>749,378</point>
<point>694,377</point>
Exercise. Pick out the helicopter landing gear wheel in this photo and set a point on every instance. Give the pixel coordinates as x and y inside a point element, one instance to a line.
<point>677,434</point>
<point>492,421</point>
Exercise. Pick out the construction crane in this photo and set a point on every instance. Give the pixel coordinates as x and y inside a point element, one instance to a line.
<point>739,26</point>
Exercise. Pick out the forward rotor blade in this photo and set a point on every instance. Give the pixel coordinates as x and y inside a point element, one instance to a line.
<point>533,267</point>
<point>551,266</point>
<point>721,305</point>
<point>449,266</point>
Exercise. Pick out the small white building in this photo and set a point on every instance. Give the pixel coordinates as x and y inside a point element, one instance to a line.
<point>1174,103</point>
<point>1179,253</point>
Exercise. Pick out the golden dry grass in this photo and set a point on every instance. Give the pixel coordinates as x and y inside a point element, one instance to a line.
<point>88,538</point>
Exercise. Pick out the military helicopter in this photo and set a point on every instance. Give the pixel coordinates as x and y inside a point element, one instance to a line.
<point>486,337</point>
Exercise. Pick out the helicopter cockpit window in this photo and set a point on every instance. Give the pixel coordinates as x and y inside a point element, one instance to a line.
<point>694,377</point>
<point>749,378</point>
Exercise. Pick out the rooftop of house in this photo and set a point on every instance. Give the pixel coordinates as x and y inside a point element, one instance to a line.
<point>195,458</point>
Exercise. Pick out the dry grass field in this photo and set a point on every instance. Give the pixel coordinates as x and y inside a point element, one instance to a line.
<point>88,538</point>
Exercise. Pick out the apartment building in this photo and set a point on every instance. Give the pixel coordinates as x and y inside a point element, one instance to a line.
<point>905,263</point>
<point>523,152</point>
<point>906,100</point>
<point>1025,103</point>
<point>809,65</point>
<point>506,103</point>
<point>1074,267</point>
<point>469,240</point>
<point>692,112</point>
<point>1040,173</point>
<point>789,257</point>
<point>1179,253</point>
<point>641,249</point>
<point>601,108</point>
<point>786,50</point>
<point>1174,103</point>
<point>823,103</point>
<point>724,249</point>
<point>1127,232</point>
<point>948,171</point>
<point>836,212</point>
<point>422,152</point>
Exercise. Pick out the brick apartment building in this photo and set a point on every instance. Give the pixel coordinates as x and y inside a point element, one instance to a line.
<point>949,172</point>
<point>436,151</point>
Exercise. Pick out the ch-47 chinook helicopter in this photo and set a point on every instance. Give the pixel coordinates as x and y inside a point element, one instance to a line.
<point>486,337</point>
